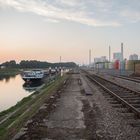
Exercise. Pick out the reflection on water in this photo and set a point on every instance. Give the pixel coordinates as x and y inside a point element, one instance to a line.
<point>6,78</point>
<point>12,91</point>
<point>30,87</point>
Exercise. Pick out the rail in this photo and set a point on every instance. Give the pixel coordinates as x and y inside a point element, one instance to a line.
<point>95,78</point>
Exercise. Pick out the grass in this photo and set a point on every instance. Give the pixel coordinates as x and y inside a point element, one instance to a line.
<point>13,108</point>
<point>26,109</point>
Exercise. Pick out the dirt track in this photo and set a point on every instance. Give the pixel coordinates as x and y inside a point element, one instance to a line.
<point>70,114</point>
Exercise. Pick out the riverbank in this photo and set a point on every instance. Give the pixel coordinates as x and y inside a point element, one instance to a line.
<point>9,72</point>
<point>60,118</point>
<point>14,118</point>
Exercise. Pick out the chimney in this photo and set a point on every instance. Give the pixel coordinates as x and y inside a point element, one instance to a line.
<point>109,54</point>
<point>122,50</point>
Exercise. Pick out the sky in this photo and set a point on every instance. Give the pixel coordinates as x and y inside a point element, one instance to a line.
<point>47,29</point>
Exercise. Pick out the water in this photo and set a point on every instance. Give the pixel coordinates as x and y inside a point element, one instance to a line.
<point>12,90</point>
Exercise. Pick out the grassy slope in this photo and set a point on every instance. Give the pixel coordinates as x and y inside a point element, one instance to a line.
<point>24,113</point>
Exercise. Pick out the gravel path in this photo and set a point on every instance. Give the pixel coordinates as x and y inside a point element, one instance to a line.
<point>111,125</point>
<point>67,121</point>
<point>130,84</point>
<point>60,118</point>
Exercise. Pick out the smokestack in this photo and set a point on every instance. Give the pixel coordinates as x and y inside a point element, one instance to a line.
<point>60,59</point>
<point>122,50</point>
<point>109,54</point>
<point>89,57</point>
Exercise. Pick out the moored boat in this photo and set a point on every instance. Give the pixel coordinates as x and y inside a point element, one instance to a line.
<point>33,75</point>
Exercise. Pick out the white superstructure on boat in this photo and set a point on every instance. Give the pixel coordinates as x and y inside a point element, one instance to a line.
<point>33,75</point>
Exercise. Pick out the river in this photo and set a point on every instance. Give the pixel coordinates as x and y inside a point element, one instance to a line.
<point>12,90</point>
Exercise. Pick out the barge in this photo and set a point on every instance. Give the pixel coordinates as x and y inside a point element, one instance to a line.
<point>33,75</point>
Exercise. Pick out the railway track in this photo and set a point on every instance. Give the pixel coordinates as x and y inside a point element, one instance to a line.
<point>128,78</point>
<point>122,96</point>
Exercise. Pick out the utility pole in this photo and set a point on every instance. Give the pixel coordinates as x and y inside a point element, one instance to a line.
<point>109,54</point>
<point>89,57</point>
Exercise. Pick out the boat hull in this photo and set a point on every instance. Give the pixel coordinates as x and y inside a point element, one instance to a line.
<point>32,79</point>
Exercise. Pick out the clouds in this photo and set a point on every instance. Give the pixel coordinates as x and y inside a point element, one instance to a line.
<point>97,13</point>
<point>133,16</point>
